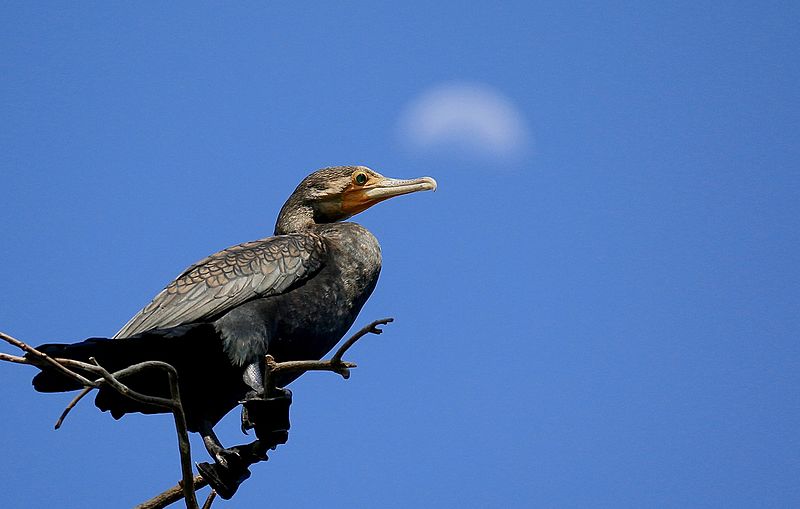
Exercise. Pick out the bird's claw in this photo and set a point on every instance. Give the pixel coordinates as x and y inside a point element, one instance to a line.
<point>227,458</point>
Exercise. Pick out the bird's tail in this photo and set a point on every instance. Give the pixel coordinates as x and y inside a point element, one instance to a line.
<point>194,350</point>
<point>208,382</point>
<point>112,354</point>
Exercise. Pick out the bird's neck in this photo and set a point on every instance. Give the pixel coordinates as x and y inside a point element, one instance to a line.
<point>294,217</point>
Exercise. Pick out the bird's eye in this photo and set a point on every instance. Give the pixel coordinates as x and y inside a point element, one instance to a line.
<point>360,178</point>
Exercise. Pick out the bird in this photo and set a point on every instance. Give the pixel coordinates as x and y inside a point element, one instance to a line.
<point>292,295</point>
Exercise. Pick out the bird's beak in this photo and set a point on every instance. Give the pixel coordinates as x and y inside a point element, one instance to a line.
<point>358,199</point>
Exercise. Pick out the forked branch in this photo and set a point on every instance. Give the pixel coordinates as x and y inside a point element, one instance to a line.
<point>334,364</point>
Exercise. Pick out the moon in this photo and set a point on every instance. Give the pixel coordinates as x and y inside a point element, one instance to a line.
<point>465,117</point>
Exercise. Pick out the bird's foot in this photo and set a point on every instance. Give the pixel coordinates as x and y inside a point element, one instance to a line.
<point>232,467</point>
<point>267,415</point>
<point>224,480</point>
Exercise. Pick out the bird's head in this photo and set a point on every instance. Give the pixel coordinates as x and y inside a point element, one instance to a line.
<point>339,192</point>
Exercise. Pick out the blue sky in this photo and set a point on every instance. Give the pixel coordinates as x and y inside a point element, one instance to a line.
<point>602,312</point>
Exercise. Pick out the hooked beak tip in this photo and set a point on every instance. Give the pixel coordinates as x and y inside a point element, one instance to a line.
<point>431,182</point>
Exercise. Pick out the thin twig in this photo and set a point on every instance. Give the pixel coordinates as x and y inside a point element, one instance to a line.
<point>13,358</point>
<point>210,499</point>
<point>75,400</point>
<point>130,370</point>
<point>371,328</point>
<point>44,357</point>
<point>126,391</point>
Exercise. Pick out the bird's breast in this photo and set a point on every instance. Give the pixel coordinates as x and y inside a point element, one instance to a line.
<point>312,318</point>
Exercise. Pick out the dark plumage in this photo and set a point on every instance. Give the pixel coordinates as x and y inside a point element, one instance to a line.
<point>293,295</point>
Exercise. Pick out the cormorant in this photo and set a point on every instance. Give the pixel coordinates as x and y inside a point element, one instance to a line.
<point>293,295</point>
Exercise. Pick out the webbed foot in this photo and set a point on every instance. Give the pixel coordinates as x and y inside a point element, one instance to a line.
<point>223,479</point>
<point>267,414</point>
<point>226,476</point>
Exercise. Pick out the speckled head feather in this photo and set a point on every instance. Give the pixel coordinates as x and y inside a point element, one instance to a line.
<point>339,192</point>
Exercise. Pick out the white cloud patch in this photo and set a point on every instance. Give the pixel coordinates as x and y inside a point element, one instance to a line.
<point>466,117</point>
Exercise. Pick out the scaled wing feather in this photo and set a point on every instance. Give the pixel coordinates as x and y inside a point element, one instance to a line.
<point>224,280</point>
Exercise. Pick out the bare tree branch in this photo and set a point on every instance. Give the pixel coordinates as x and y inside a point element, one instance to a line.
<point>335,364</point>
<point>173,404</point>
<point>186,488</point>
<point>171,495</point>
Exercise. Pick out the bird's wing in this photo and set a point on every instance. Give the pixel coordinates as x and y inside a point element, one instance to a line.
<point>226,279</point>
